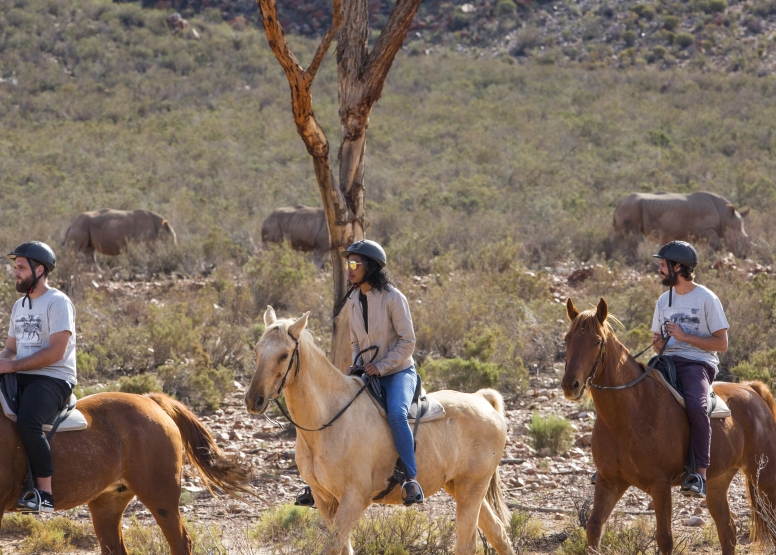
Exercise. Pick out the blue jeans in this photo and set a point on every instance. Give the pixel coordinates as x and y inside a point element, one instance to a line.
<point>398,390</point>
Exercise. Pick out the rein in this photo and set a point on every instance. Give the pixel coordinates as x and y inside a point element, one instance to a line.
<point>295,356</point>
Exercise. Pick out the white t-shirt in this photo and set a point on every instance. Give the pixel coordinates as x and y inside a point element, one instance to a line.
<point>698,312</point>
<point>52,312</point>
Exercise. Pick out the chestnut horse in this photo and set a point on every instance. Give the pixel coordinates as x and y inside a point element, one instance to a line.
<point>641,435</point>
<point>133,447</point>
<point>348,463</point>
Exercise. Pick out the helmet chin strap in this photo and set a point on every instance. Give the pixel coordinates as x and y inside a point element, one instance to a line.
<point>35,280</point>
<point>672,280</point>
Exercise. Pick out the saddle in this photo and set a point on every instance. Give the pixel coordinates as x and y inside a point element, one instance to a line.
<point>429,408</point>
<point>667,377</point>
<point>9,401</point>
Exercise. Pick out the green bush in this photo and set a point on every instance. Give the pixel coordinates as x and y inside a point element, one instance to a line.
<point>671,22</point>
<point>684,40</point>
<point>197,384</point>
<point>716,6</point>
<point>139,384</point>
<point>629,38</point>
<point>644,11</point>
<point>550,431</point>
<point>278,274</point>
<point>760,366</point>
<point>506,8</point>
<point>461,375</point>
<point>290,529</point>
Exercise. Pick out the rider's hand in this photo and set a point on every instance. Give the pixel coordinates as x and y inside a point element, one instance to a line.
<point>675,330</point>
<point>6,366</point>
<point>350,370</point>
<point>372,370</point>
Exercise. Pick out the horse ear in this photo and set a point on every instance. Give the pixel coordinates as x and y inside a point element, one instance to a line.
<point>745,213</point>
<point>602,312</point>
<point>269,316</point>
<point>571,310</point>
<point>298,327</point>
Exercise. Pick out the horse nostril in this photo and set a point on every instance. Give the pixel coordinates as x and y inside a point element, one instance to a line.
<point>259,402</point>
<point>576,384</point>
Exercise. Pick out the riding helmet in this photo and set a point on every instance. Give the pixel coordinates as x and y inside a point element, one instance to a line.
<point>37,251</point>
<point>679,251</point>
<point>367,248</point>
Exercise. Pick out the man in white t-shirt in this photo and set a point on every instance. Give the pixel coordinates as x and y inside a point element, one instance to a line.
<point>689,325</point>
<point>41,352</point>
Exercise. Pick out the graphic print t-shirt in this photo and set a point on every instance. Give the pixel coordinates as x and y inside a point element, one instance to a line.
<point>698,312</point>
<point>52,312</point>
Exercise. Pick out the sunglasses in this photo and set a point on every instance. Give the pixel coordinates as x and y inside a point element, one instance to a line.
<point>352,264</point>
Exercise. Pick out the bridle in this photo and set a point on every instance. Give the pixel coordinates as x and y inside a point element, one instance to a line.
<point>600,360</point>
<point>295,357</point>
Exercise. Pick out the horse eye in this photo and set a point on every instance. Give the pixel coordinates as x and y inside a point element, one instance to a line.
<point>283,357</point>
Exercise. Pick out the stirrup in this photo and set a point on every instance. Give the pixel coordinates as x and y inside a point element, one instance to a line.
<point>411,492</point>
<point>29,502</point>
<point>693,486</point>
<point>304,498</point>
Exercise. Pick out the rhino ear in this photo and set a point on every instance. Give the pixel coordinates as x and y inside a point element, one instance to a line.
<point>269,316</point>
<point>571,310</point>
<point>745,213</point>
<point>298,327</point>
<point>602,311</point>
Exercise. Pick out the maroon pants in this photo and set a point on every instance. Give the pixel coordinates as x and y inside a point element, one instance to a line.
<point>695,379</point>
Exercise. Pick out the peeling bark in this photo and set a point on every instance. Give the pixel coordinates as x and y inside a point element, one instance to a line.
<point>361,77</point>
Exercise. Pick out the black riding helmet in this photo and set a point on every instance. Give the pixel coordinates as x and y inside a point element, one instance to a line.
<point>679,251</point>
<point>36,253</point>
<point>367,248</point>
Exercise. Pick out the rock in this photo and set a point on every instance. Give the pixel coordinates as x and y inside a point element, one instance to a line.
<point>697,511</point>
<point>585,440</point>
<point>222,437</point>
<point>235,435</point>
<point>695,522</point>
<point>544,452</point>
<point>542,399</point>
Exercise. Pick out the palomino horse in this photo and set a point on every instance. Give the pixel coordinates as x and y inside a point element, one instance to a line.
<point>133,447</point>
<point>641,434</point>
<point>348,463</point>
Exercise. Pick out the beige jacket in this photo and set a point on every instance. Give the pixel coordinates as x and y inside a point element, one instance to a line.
<point>390,328</point>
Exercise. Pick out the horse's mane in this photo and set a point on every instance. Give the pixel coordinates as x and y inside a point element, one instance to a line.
<point>587,317</point>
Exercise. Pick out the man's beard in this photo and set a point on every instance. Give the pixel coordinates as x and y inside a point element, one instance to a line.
<point>24,285</point>
<point>668,282</point>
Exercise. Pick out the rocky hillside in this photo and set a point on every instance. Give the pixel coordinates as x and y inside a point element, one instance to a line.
<point>704,34</point>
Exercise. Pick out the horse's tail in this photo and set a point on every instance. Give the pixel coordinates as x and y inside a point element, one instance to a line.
<point>495,494</point>
<point>228,473</point>
<point>759,504</point>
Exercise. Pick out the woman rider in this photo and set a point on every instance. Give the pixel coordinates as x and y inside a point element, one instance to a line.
<point>380,315</point>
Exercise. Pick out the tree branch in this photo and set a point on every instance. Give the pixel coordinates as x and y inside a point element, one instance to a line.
<point>389,42</point>
<point>336,22</point>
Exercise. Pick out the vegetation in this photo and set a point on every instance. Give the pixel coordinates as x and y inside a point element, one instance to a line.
<point>552,432</point>
<point>55,535</point>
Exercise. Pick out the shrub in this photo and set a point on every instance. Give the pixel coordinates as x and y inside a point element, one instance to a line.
<point>550,431</point>
<point>141,383</point>
<point>401,532</point>
<point>142,539</point>
<point>461,375</point>
<point>196,383</point>
<point>644,11</point>
<point>760,366</point>
<point>629,37</point>
<point>506,8</point>
<point>290,529</point>
<point>684,40</point>
<point>659,52</point>
<point>671,22</point>
<point>277,274</point>
<point>54,535</point>
<point>717,6</point>
<point>523,530</point>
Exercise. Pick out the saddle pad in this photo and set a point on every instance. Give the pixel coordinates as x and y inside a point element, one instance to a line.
<point>74,421</point>
<point>435,409</point>
<point>721,410</point>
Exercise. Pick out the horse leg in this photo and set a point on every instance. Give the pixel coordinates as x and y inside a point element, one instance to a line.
<point>342,521</point>
<point>661,497</point>
<point>162,502</point>
<point>107,510</point>
<point>469,498</point>
<point>719,509</point>
<point>494,530</point>
<point>606,496</point>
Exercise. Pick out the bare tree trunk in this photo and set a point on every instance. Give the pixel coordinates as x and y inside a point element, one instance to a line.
<point>361,76</point>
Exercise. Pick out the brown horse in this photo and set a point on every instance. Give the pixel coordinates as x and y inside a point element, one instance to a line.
<point>641,434</point>
<point>348,463</point>
<point>133,447</point>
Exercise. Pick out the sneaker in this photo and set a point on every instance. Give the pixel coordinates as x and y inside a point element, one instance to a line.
<point>411,492</point>
<point>46,502</point>
<point>693,486</point>
<point>35,502</point>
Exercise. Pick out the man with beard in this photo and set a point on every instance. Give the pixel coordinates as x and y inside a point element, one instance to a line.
<point>41,352</point>
<point>690,323</point>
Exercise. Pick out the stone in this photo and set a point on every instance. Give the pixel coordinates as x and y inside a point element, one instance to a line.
<point>694,522</point>
<point>697,511</point>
